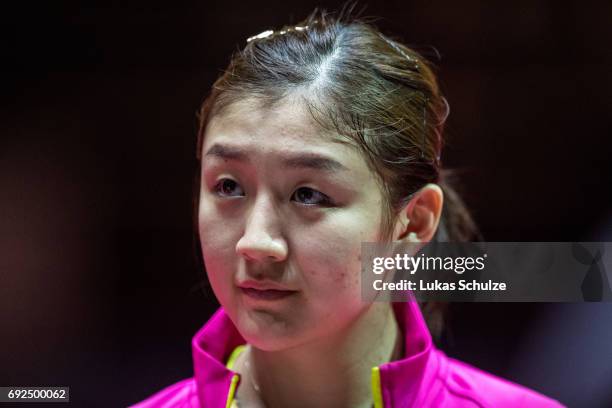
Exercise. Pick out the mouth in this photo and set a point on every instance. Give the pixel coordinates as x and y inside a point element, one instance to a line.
<point>267,294</point>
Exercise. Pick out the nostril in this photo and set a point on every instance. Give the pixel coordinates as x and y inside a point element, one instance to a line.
<point>247,256</point>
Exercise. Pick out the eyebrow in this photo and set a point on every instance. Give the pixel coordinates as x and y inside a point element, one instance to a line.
<point>306,160</point>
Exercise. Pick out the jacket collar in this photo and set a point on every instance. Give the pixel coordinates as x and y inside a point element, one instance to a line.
<point>400,380</point>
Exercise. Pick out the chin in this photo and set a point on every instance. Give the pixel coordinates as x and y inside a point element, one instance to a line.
<point>268,344</point>
<point>263,332</point>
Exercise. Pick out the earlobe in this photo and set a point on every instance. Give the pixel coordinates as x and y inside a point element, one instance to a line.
<point>412,237</point>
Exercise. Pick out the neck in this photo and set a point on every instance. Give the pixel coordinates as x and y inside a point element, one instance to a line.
<point>335,371</point>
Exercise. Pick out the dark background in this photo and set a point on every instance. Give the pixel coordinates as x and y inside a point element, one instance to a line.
<point>98,285</point>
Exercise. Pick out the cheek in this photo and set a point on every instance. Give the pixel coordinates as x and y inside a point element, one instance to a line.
<point>218,249</point>
<point>333,281</point>
<point>216,233</point>
<point>330,265</point>
<point>332,253</point>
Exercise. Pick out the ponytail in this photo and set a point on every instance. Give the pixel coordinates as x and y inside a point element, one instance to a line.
<point>456,223</point>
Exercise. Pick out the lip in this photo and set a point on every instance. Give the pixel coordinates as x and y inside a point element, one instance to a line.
<point>263,286</point>
<point>269,294</point>
<point>267,291</point>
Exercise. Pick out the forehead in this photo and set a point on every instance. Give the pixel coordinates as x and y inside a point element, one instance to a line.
<point>286,126</point>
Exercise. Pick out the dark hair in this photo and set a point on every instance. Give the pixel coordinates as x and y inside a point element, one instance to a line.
<point>375,93</point>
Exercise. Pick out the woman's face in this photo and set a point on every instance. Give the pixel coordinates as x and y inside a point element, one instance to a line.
<point>282,206</point>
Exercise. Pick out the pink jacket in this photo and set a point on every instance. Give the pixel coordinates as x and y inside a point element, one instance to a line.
<point>425,377</point>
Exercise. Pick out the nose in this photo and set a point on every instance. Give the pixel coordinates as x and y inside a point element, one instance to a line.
<point>262,239</point>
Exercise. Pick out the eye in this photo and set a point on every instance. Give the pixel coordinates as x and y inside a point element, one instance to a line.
<point>228,188</point>
<point>309,196</point>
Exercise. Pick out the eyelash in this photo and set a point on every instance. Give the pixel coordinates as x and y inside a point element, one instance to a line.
<point>325,201</point>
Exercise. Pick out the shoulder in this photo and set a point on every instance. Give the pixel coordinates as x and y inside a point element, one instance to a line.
<point>183,394</point>
<point>466,385</point>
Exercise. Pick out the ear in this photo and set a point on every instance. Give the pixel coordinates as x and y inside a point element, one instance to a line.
<point>419,219</point>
